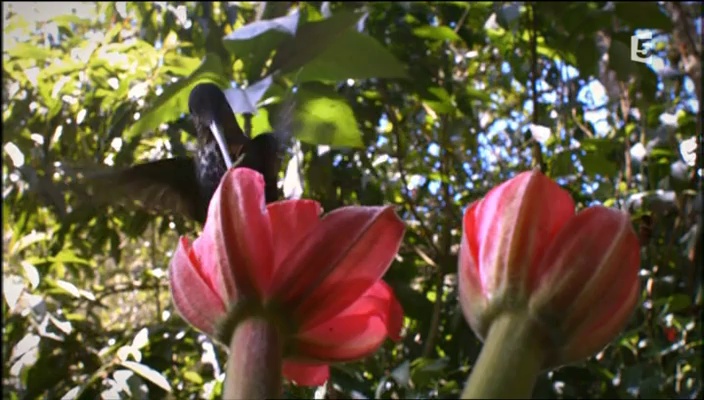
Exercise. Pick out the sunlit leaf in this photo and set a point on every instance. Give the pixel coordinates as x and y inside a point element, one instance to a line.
<point>255,42</point>
<point>29,240</point>
<point>68,287</point>
<point>141,339</point>
<point>32,273</point>
<point>312,39</point>
<point>29,51</point>
<point>436,33</point>
<point>246,100</point>
<point>12,287</point>
<point>349,59</point>
<point>193,376</point>
<point>149,374</point>
<point>324,117</point>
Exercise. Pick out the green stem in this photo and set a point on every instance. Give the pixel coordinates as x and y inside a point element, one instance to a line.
<point>254,367</point>
<point>509,362</point>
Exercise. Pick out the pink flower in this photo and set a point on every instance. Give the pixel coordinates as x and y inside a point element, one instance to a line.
<point>318,279</point>
<point>524,250</point>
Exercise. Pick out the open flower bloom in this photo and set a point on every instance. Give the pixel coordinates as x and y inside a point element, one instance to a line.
<point>319,278</point>
<point>524,250</point>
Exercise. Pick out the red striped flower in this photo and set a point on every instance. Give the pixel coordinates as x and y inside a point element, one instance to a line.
<point>316,280</point>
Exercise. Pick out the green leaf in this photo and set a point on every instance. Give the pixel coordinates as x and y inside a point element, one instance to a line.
<point>478,94</point>
<point>68,287</point>
<point>178,64</point>
<point>436,33</point>
<point>642,14</point>
<point>323,117</point>
<point>174,100</point>
<point>587,56</point>
<point>648,84</point>
<point>561,164</point>
<point>620,60</point>
<point>423,370</point>
<point>67,20</point>
<point>255,42</point>
<point>67,256</point>
<point>260,122</point>
<point>439,100</point>
<point>149,374</point>
<point>28,240</point>
<point>597,164</point>
<point>678,302</point>
<point>193,376</point>
<point>349,59</point>
<point>311,40</point>
<point>29,51</point>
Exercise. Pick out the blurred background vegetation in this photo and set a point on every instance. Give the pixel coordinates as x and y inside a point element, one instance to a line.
<point>423,105</point>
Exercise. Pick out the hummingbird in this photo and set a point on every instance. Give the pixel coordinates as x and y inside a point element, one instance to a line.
<point>185,185</point>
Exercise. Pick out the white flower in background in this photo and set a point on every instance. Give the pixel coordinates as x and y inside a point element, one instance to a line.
<point>668,119</point>
<point>540,133</point>
<point>688,150</point>
<point>638,151</point>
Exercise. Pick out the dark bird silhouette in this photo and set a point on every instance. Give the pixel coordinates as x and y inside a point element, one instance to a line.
<point>185,185</point>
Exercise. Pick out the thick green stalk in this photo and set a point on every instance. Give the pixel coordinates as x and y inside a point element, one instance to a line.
<point>254,367</point>
<point>509,362</point>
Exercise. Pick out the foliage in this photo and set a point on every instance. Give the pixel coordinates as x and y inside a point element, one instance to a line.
<point>422,105</point>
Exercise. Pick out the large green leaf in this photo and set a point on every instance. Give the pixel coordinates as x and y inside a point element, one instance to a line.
<point>642,15</point>
<point>587,56</point>
<point>595,163</point>
<point>354,56</point>
<point>620,60</point>
<point>312,39</point>
<point>174,100</point>
<point>260,122</point>
<point>561,164</point>
<point>648,83</point>
<point>254,43</point>
<point>323,117</point>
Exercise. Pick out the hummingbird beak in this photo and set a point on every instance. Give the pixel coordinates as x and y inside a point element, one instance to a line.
<point>222,144</point>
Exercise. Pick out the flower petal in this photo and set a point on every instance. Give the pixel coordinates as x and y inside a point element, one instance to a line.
<point>204,254</point>
<point>291,221</point>
<point>512,226</point>
<point>194,297</point>
<point>306,374</point>
<point>356,332</point>
<point>589,278</point>
<point>239,227</point>
<point>335,264</point>
<point>473,299</point>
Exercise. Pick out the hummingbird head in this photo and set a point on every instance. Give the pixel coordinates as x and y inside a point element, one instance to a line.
<point>213,118</point>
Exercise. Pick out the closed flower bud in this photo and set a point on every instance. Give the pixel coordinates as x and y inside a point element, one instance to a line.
<point>573,277</point>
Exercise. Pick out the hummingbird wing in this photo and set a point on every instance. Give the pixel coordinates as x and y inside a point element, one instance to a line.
<point>181,185</point>
<point>162,186</point>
